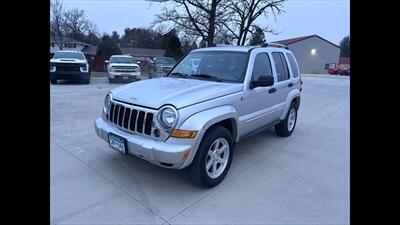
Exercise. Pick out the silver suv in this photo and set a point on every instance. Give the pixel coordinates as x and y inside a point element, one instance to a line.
<point>192,117</point>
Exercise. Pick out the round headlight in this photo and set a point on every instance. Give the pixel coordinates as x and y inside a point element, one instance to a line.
<point>168,117</point>
<point>107,101</point>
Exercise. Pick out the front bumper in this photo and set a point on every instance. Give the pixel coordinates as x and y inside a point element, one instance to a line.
<point>69,75</point>
<point>116,75</point>
<point>166,154</point>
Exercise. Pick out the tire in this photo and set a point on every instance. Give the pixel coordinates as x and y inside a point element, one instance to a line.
<point>87,81</point>
<point>198,171</point>
<point>286,127</point>
<point>53,81</point>
<point>110,80</point>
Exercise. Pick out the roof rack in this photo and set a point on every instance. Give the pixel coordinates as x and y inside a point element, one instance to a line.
<point>219,45</point>
<point>271,44</point>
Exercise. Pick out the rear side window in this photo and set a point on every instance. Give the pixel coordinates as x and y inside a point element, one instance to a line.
<point>262,66</point>
<point>281,66</point>
<point>293,65</point>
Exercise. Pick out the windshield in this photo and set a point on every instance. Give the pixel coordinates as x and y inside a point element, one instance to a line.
<point>122,60</point>
<point>69,55</point>
<point>167,61</point>
<point>219,65</point>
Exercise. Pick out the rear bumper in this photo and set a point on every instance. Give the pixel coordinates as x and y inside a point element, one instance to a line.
<point>157,152</point>
<point>69,75</point>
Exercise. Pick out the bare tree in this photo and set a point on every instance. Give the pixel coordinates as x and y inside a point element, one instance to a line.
<point>72,23</point>
<point>77,26</point>
<point>202,18</point>
<point>243,13</point>
<point>57,22</point>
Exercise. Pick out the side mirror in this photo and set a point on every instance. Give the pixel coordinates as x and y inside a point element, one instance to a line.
<point>106,61</point>
<point>263,81</point>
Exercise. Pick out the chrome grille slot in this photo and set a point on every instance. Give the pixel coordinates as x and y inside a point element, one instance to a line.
<point>127,117</point>
<point>148,122</point>
<point>116,112</point>
<point>133,120</point>
<point>140,122</point>
<point>121,115</point>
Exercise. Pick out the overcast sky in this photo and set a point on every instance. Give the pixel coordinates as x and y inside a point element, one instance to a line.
<point>328,18</point>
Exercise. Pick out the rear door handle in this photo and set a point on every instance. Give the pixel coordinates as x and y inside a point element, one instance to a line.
<point>272,90</point>
<point>290,85</point>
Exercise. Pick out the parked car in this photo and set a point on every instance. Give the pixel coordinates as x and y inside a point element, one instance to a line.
<point>122,68</point>
<point>344,70</point>
<point>340,70</point>
<point>69,65</point>
<point>333,70</point>
<point>161,66</point>
<point>193,120</point>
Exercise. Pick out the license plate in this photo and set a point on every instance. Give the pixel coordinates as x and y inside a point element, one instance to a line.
<point>117,143</point>
<point>125,77</point>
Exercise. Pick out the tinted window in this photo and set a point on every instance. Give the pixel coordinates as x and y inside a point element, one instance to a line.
<point>293,66</point>
<point>262,66</point>
<point>69,55</point>
<point>281,66</point>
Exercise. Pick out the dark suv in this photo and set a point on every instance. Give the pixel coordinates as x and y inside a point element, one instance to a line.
<point>161,65</point>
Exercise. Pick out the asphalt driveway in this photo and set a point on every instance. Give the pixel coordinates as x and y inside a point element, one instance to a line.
<point>302,179</point>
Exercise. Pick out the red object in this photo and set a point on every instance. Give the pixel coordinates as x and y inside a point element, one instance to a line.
<point>339,70</point>
<point>333,70</point>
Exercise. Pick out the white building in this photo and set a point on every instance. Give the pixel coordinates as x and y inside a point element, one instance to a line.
<point>69,44</point>
<point>314,54</point>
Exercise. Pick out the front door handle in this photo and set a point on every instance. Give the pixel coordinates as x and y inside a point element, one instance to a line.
<point>290,85</point>
<point>272,90</point>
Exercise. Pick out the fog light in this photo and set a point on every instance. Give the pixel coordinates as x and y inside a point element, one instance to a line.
<point>156,133</point>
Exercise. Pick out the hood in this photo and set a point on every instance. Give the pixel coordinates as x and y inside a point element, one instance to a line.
<point>165,65</point>
<point>124,64</point>
<point>67,60</point>
<point>179,92</point>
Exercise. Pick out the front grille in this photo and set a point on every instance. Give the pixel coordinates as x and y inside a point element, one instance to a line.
<point>125,68</point>
<point>130,119</point>
<point>68,67</point>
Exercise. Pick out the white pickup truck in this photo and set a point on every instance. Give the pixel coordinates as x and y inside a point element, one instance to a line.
<point>122,68</point>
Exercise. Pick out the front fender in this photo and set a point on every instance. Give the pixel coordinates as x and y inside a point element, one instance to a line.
<point>204,119</point>
<point>292,95</point>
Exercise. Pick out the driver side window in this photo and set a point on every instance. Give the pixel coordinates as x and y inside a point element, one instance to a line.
<point>262,66</point>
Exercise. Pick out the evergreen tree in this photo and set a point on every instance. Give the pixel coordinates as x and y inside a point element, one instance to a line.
<point>258,37</point>
<point>172,45</point>
<point>345,47</point>
<point>108,47</point>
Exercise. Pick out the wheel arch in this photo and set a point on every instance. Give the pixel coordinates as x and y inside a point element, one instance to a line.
<point>293,96</point>
<point>225,116</point>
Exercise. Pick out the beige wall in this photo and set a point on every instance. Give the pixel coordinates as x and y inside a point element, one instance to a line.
<point>308,63</point>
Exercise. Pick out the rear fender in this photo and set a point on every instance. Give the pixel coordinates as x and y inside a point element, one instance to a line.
<point>292,95</point>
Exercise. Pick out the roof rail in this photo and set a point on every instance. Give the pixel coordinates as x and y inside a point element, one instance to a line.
<point>272,44</point>
<point>219,45</point>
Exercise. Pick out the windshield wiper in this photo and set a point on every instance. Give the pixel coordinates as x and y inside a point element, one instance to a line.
<point>184,75</point>
<point>206,76</point>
